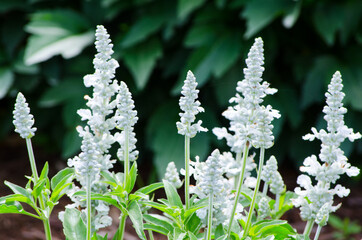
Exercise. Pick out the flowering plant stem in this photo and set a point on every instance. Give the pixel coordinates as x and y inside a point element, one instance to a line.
<point>122,225</point>
<point>252,206</point>
<point>187,173</point>
<point>89,209</point>
<point>241,178</point>
<point>308,228</point>
<point>316,236</point>
<point>126,158</point>
<point>209,220</point>
<point>36,178</point>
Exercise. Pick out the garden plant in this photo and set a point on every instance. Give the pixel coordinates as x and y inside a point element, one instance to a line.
<point>227,201</point>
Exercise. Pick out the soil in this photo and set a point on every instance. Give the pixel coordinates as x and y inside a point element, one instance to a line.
<point>14,165</point>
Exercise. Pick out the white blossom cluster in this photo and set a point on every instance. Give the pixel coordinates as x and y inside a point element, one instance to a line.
<point>172,175</point>
<point>263,208</point>
<point>249,121</point>
<point>211,183</point>
<point>23,120</point>
<point>272,177</point>
<point>97,136</point>
<point>315,201</point>
<point>190,107</point>
<point>126,118</point>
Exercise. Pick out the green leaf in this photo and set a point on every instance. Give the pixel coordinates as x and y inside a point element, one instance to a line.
<point>317,80</point>
<point>16,208</point>
<point>185,7</point>
<point>56,32</point>
<point>159,220</point>
<point>6,81</point>
<point>141,60</point>
<point>131,178</point>
<point>172,195</point>
<point>63,176</point>
<point>69,89</point>
<point>156,228</point>
<point>260,13</point>
<point>146,25</point>
<point>193,223</point>
<point>135,215</point>
<point>74,227</point>
<point>18,190</point>
<point>266,227</point>
<point>150,188</point>
<point>328,20</point>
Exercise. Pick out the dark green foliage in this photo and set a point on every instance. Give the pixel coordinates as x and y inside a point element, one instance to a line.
<point>157,41</point>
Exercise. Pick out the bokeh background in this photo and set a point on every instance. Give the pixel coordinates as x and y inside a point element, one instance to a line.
<point>46,47</point>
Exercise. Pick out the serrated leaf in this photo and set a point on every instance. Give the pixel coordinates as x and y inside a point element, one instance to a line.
<point>186,7</point>
<point>141,60</point>
<point>6,81</point>
<point>74,227</point>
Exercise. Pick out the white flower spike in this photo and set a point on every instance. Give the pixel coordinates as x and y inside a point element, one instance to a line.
<point>23,120</point>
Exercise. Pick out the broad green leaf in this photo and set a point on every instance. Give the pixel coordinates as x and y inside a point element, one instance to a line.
<point>146,25</point>
<point>56,32</point>
<point>172,196</point>
<point>201,34</point>
<point>135,215</point>
<point>6,81</point>
<point>159,220</point>
<point>40,48</point>
<point>219,232</point>
<point>260,13</point>
<point>18,190</point>
<point>107,199</point>
<point>193,223</point>
<point>74,227</point>
<point>141,59</point>
<point>265,225</point>
<point>69,89</point>
<point>317,80</point>
<point>159,206</point>
<point>186,7</point>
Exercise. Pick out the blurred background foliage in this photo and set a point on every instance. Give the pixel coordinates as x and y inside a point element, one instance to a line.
<point>46,47</point>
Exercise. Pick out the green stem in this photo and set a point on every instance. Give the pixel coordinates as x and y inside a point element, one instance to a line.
<point>150,234</point>
<point>252,206</point>
<point>277,202</point>
<point>89,209</point>
<point>32,160</point>
<point>34,170</point>
<point>308,228</point>
<point>126,158</point>
<point>209,221</point>
<point>241,178</point>
<point>265,188</point>
<point>122,225</point>
<point>187,173</point>
<point>316,236</point>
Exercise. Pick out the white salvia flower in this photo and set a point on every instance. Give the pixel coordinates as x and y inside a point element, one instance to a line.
<point>316,200</point>
<point>23,120</point>
<point>190,107</point>
<point>211,183</point>
<point>264,208</point>
<point>269,169</point>
<point>249,122</point>
<point>86,165</point>
<point>172,175</point>
<point>97,136</point>
<point>277,186</point>
<point>126,118</point>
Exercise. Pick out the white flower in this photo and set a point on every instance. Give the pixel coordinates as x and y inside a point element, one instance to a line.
<point>126,118</point>
<point>249,121</point>
<point>315,202</point>
<point>264,208</point>
<point>23,120</point>
<point>190,107</point>
<point>172,175</point>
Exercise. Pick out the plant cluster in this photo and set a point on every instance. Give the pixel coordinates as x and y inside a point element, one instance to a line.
<point>225,203</point>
